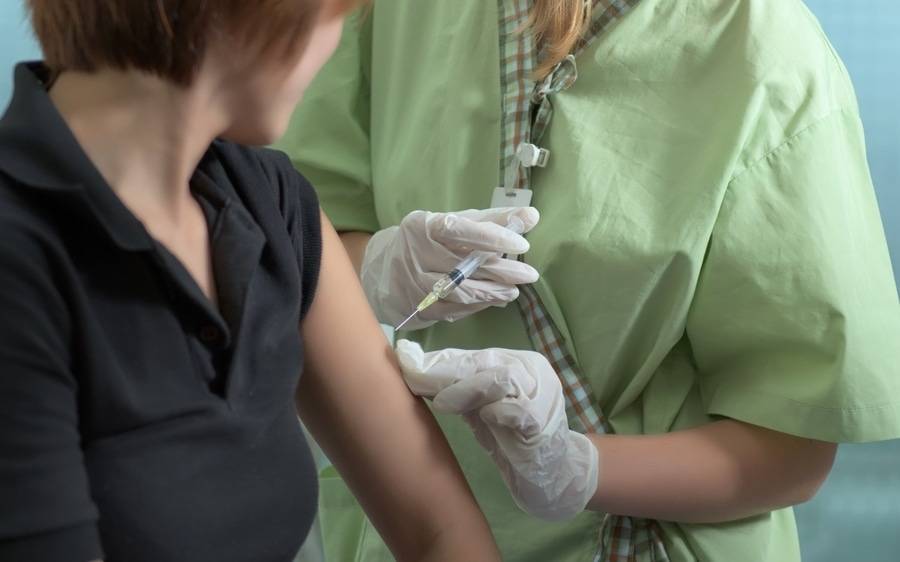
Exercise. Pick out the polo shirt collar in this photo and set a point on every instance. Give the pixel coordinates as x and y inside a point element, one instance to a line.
<point>39,151</point>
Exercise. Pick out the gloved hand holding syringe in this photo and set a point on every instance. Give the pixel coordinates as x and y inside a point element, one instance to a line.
<point>463,270</point>
<point>402,264</point>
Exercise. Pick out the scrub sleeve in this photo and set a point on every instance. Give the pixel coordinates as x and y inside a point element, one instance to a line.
<point>792,323</point>
<point>338,156</point>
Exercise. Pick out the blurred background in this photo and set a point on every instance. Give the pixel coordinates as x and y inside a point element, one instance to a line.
<point>856,516</point>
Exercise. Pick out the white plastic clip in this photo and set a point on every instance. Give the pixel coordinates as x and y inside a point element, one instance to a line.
<point>530,155</point>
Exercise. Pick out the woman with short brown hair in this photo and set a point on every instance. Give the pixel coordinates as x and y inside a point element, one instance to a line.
<point>162,286</point>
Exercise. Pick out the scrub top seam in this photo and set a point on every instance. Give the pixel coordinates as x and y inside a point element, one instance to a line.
<point>786,143</point>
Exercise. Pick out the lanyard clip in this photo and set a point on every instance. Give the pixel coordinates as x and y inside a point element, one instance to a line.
<point>530,155</point>
<point>561,78</point>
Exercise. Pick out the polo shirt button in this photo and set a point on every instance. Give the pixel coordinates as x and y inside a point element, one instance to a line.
<point>209,334</point>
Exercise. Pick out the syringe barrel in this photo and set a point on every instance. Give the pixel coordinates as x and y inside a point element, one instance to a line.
<point>445,285</point>
<point>470,264</point>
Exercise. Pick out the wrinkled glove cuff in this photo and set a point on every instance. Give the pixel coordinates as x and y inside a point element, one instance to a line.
<point>581,469</point>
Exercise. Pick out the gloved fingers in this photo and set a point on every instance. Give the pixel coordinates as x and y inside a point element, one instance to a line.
<point>489,374</point>
<point>494,375</point>
<point>427,374</point>
<point>435,260</point>
<point>507,271</point>
<point>472,292</point>
<point>490,293</point>
<point>529,216</point>
<point>471,297</point>
<point>460,234</point>
<point>471,393</point>
<point>496,275</point>
<point>401,263</point>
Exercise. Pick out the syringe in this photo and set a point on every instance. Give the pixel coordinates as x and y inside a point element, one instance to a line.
<point>463,270</point>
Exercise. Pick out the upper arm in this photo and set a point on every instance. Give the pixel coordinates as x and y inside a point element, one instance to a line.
<point>383,440</point>
<point>47,510</point>
<point>355,244</point>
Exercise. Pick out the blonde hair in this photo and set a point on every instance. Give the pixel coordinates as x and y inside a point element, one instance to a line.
<point>558,25</point>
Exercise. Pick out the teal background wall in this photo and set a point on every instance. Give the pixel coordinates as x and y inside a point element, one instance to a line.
<point>857,514</point>
<point>16,43</point>
<point>866,33</point>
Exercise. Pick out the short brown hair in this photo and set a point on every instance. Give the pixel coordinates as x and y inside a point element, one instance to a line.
<point>163,37</point>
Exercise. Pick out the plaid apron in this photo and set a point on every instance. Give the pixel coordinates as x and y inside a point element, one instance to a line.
<point>527,111</point>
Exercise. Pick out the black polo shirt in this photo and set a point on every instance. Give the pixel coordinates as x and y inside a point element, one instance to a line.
<point>137,422</point>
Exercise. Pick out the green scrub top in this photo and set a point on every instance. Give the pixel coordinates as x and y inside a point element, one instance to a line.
<point>710,243</point>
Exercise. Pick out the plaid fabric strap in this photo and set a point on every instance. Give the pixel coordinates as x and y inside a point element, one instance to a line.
<point>527,110</point>
<point>517,65</point>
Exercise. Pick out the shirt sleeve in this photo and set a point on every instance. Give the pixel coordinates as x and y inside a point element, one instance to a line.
<point>47,512</point>
<point>795,325</point>
<point>328,137</point>
<point>298,204</point>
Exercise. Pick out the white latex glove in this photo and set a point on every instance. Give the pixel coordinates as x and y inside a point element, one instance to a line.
<point>403,262</point>
<point>513,401</point>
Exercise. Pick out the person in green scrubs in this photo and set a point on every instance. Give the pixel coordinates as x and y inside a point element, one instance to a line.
<point>709,248</point>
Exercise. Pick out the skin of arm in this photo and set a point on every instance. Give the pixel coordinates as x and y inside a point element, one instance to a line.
<point>382,439</point>
<point>722,471</point>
